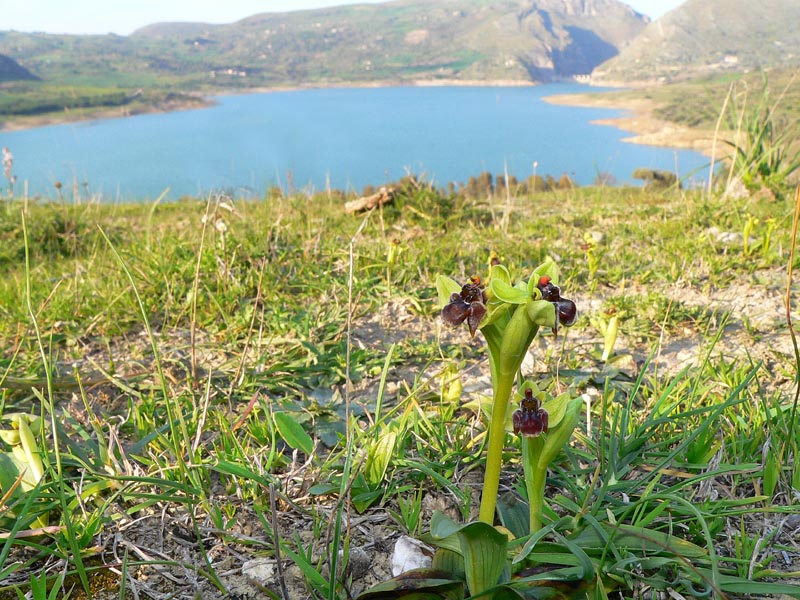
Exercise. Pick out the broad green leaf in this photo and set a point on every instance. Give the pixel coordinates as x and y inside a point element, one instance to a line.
<point>418,584</point>
<point>499,273</point>
<point>449,562</point>
<point>504,291</point>
<point>445,286</point>
<point>443,533</point>
<point>496,311</point>
<point>557,407</point>
<point>514,514</point>
<point>644,540</point>
<point>293,433</point>
<point>484,549</point>
<point>549,268</point>
<point>569,573</point>
<point>505,592</point>
<point>442,526</point>
<point>10,470</point>
<point>542,313</point>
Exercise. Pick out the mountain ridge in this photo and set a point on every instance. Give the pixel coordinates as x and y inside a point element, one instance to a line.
<point>402,41</point>
<point>706,37</point>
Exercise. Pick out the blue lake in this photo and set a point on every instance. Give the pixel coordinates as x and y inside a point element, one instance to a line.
<point>343,138</point>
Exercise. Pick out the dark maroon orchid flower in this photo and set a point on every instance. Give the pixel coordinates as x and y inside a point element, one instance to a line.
<point>530,418</point>
<point>469,305</point>
<point>566,311</point>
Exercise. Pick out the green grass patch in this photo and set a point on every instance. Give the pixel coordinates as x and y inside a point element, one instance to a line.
<point>210,383</point>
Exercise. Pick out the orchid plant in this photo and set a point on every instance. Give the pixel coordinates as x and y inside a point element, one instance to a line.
<point>510,315</point>
<point>475,556</point>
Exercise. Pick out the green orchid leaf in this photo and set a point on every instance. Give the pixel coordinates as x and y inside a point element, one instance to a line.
<point>484,549</point>
<point>558,436</point>
<point>513,513</point>
<point>10,470</point>
<point>505,592</point>
<point>556,408</point>
<point>443,533</point>
<point>641,538</point>
<point>417,584</point>
<point>449,562</point>
<point>499,273</point>
<point>542,313</point>
<point>549,268</point>
<point>496,312</point>
<point>481,548</point>
<point>33,421</point>
<point>508,293</point>
<point>445,286</point>
<point>555,584</point>
<point>442,526</point>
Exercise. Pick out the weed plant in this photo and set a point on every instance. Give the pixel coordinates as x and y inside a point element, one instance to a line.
<point>764,150</point>
<point>213,384</point>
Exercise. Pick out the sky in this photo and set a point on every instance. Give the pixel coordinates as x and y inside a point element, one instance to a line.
<point>124,16</point>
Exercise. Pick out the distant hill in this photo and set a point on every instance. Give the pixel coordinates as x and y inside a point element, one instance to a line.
<point>704,37</point>
<point>11,70</point>
<point>401,41</point>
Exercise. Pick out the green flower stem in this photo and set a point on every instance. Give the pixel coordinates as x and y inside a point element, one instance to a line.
<point>494,456</point>
<point>505,362</point>
<point>535,478</point>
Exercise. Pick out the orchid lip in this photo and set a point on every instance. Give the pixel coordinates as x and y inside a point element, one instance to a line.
<point>468,305</point>
<point>530,419</point>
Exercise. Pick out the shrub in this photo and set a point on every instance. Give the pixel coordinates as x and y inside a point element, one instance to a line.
<point>656,178</point>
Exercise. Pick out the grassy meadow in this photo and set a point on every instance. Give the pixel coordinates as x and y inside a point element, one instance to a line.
<point>218,398</point>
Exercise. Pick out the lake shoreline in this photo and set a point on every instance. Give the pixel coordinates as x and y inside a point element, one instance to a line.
<point>189,102</point>
<point>647,128</point>
<point>197,101</point>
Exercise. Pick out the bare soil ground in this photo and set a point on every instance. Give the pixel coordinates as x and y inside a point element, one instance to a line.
<point>167,537</point>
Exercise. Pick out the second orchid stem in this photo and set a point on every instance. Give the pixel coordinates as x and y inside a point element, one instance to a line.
<point>535,478</point>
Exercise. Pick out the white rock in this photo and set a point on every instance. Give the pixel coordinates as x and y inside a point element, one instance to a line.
<point>409,554</point>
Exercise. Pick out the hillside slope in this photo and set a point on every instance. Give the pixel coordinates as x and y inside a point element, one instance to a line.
<point>11,70</point>
<point>402,41</point>
<point>704,37</point>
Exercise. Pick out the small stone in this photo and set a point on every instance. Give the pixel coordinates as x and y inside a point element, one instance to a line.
<point>260,570</point>
<point>358,563</point>
<point>409,554</point>
<point>736,189</point>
